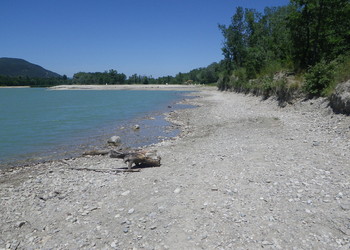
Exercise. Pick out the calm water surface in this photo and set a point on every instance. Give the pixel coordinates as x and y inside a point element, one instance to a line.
<point>39,124</point>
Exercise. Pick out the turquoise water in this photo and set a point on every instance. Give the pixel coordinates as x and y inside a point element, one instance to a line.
<point>39,124</point>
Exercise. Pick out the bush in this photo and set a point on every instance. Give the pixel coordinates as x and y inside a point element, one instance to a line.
<point>342,69</point>
<point>319,78</point>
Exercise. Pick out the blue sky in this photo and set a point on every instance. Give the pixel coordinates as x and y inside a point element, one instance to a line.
<point>147,37</point>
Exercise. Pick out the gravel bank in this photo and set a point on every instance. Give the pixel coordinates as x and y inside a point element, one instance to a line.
<point>244,174</point>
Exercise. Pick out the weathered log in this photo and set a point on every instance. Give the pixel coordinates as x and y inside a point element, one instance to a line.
<point>138,158</point>
<point>97,152</point>
<point>106,170</point>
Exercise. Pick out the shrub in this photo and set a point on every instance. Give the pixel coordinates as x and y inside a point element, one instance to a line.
<point>343,69</point>
<point>319,78</point>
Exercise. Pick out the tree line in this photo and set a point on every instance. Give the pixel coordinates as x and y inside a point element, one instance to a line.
<point>307,37</point>
<point>33,81</point>
<point>205,75</point>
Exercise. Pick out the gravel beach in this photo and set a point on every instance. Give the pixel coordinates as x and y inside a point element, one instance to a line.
<point>243,174</point>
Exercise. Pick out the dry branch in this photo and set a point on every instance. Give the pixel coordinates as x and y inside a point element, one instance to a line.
<point>138,158</point>
<point>104,170</point>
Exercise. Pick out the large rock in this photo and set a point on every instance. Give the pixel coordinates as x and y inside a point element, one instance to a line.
<point>340,100</point>
<point>115,140</point>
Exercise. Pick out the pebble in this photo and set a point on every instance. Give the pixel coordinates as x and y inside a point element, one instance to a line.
<point>114,244</point>
<point>20,224</point>
<point>265,243</point>
<point>125,193</point>
<point>132,210</point>
<point>345,207</point>
<point>177,190</point>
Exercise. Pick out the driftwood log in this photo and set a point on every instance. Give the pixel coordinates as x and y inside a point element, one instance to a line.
<point>137,158</point>
<point>106,170</point>
<point>97,152</point>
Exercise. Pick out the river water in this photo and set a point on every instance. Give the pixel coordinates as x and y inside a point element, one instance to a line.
<point>37,124</point>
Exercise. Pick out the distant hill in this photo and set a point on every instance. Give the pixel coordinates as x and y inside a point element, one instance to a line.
<point>18,67</point>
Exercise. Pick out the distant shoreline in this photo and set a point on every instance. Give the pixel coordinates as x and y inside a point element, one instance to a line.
<point>129,87</point>
<point>14,87</point>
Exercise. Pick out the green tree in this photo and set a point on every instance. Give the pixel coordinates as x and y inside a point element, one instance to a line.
<point>234,48</point>
<point>320,30</point>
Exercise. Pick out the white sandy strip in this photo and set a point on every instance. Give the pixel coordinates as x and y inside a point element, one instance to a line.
<point>129,87</point>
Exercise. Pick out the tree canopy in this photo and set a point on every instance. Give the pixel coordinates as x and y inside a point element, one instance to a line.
<point>297,37</point>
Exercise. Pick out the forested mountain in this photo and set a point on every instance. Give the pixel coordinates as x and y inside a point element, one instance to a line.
<point>15,67</point>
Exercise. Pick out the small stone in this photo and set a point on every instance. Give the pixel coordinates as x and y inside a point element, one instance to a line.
<point>214,189</point>
<point>152,215</point>
<point>125,229</point>
<point>132,210</point>
<point>153,227</point>
<point>136,127</point>
<point>20,224</point>
<point>177,190</point>
<point>114,244</point>
<point>345,207</point>
<point>265,243</point>
<point>114,140</point>
<point>125,193</point>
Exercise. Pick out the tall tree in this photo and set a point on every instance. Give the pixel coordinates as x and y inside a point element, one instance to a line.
<point>234,48</point>
<point>320,30</point>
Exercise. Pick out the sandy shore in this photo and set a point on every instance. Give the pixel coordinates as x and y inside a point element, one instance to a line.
<point>130,87</point>
<point>244,174</point>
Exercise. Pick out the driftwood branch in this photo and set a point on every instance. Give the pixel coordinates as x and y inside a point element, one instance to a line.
<point>97,152</point>
<point>138,158</point>
<point>104,170</point>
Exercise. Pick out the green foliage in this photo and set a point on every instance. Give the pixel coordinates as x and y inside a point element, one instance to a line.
<point>319,78</point>
<point>320,30</point>
<point>312,36</point>
<point>342,69</point>
<point>110,77</point>
<point>254,40</point>
<point>33,82</point>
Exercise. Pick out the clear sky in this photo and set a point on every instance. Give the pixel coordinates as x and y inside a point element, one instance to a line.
<point>147,37</point>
